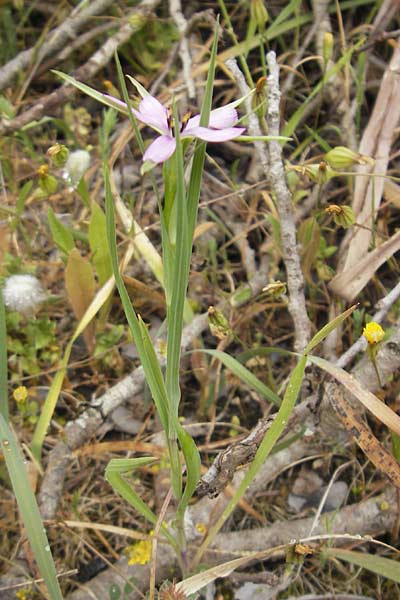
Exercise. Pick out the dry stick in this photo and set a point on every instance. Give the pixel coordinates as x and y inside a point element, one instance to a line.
<point>175,8</point>
<point>277,179</point>
<point>83,73</point>
<point>254,126</point>
<point>275,174</point>
<point>55,40</point>
<point>315,27</point>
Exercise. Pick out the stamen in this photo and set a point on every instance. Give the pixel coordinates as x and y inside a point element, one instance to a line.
<point>185,119</point>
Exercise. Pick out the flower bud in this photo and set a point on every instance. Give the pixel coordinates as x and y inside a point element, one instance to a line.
<point>111,89</point>
<point>218,324</point>
<point>342,215</point>
<point>259,14</point>
<point>341,157</point>
<point>327,46</point>
<point>258,101</point>
<point>20,394</point>
<point>137,20</point>
<point>320,173</point>
<point>47,182</point>
<point>58,154</point>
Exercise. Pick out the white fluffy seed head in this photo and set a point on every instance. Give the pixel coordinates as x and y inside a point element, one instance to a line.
<point>76,166</point>
<point>23,293</point>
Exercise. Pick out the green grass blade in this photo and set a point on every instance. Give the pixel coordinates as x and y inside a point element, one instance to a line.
<point>326,330</point>
<point>293,122</point>
<point>113,474</point>
<point>114,471</point>
<point>140,334</point>
<point>193,465</point>
<point>270,439</point>
<point>179,279</point>
<point>283,16</point>
<point>3,361</point>
<point>245,375</point>
<point>29,510</point>
<point>86,89</point>
<point>385,567</point>
<point>200,147</point>
<point>131,116</point>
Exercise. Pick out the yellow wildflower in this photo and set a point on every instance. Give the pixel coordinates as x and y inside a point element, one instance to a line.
<point>201,528</point>
<point>373,333</point>
<point>23,594</point>
<point>20,394</point>
<point>139,553</point>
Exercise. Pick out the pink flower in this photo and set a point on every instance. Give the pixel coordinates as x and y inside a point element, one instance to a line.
<point>152,113</point>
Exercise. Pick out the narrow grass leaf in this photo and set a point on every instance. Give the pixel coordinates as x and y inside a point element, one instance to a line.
<point>385,567</point>
<point>200,147</point>
<point>179,279</point>
<point>193,466</point>
<point>328,328</point>
<point>114,471</point>
<point>29,510</point>
<point>86,89</point>
<point>132,118</point>
<point>3,361</point>
<point>270,439</point>
<point>139,331</point>
<point>293,122</point>
<point>245,375</point>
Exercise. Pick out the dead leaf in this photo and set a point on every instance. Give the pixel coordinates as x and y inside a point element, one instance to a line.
<point>80,286</point>
<point>364,438</point>
<point>349,283</point>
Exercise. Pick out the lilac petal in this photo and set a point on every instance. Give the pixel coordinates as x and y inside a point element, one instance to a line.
<point>220,118</point>
<point>161,149</point>
<point>152,113</point>
<point>116,101</point>
<point>214,135</point>
<point>224,117</point>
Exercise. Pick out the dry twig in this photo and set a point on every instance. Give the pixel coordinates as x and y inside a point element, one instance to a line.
<point>55,40</point>
<point>277,178</point>
<point>96,62</point>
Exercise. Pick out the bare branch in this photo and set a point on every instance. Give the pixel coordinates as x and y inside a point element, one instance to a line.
<point>55,40</point>
<point>277,178</point>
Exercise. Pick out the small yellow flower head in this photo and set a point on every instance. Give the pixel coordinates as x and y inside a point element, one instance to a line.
<point>20,394</point>
<point>42,171</point>
<point>201,528</point>
<point>373,333</point>
<point>139,553</point>
<point>23,594</point>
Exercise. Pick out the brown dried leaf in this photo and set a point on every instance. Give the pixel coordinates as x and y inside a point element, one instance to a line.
<point>364,438</point>
<point>81,287</point>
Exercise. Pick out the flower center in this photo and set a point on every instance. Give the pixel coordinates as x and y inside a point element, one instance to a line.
<point>183,121</point>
